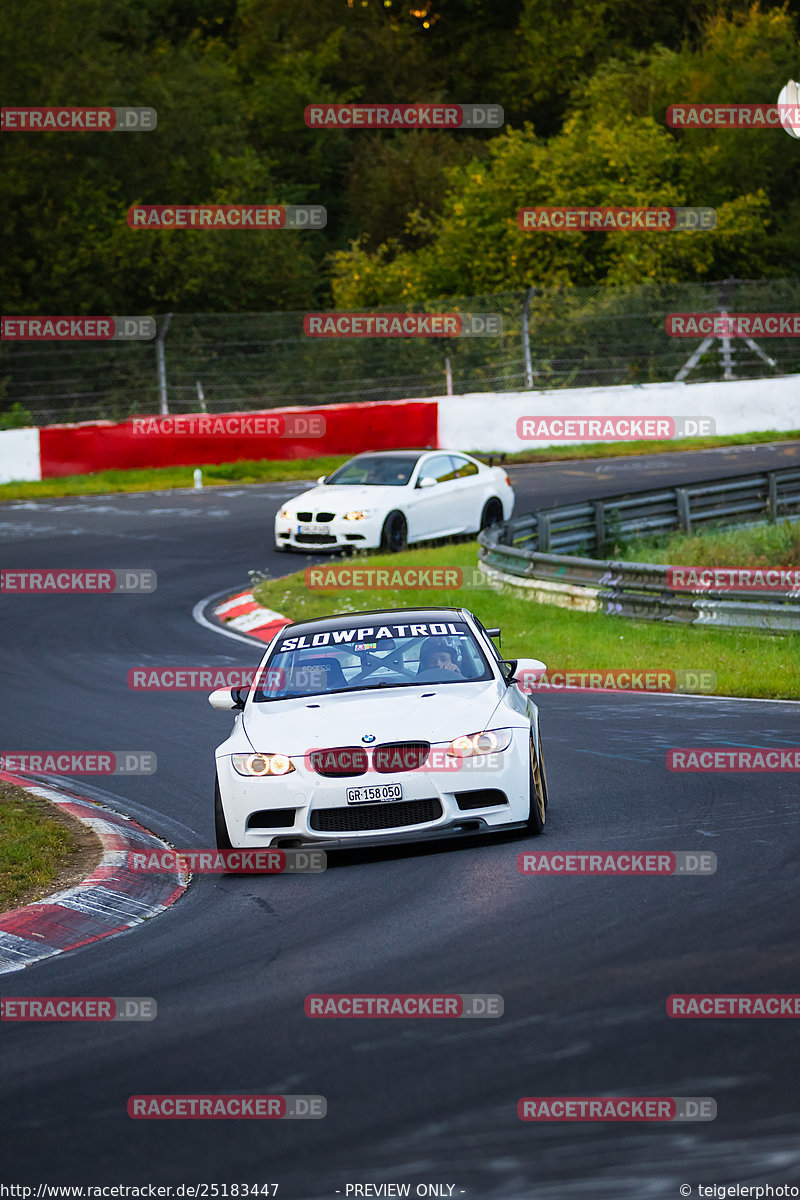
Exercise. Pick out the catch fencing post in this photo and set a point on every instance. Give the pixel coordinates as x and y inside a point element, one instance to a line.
<point>162,371</point>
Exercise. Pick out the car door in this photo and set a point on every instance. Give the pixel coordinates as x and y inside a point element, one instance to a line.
<point>433,511</point>
<point>470,490</point>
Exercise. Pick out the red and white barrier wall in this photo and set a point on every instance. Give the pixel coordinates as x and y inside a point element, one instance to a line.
<point>480,421</point>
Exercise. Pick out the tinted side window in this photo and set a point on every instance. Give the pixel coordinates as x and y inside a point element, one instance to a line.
<point>439,468</point>
<point>464,467</point>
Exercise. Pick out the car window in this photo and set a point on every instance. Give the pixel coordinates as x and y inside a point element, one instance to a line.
<point>463,467</point>
<point>439,468</point>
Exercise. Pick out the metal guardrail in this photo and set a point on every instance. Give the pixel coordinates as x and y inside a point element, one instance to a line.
<point>594,524</point>
<point>520,552</point>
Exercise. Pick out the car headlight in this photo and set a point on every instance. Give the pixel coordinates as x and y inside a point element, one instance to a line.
<point>487,742</point>
<point>359,514</point>
<point>286,514</point>
<point>261,764</point>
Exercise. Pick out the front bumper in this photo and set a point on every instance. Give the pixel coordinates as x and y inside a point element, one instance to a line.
<point>364,535</point>
<point>465,799</point>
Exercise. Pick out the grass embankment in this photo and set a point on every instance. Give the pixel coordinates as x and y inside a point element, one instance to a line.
<point>154,479</point>
<point>745,663</point>
<point>41,849</point>
<point>761,546</point>
<point>268,471</point>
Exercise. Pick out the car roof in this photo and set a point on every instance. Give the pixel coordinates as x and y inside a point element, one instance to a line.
<point>406,453</point>
<point>355,620</point>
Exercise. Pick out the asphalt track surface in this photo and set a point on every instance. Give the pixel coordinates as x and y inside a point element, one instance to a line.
<point>584,964</point>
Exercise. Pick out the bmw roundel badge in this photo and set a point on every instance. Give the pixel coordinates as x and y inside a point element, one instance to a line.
<point>368,738</point>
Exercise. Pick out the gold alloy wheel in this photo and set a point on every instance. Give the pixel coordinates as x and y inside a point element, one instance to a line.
<point>538,784</point>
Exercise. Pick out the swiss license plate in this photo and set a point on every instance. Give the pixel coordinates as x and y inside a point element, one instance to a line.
<point>374,794</point>
<point>313,528</point>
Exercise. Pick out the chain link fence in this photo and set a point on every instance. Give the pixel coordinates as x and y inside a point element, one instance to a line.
<point>578,337</point>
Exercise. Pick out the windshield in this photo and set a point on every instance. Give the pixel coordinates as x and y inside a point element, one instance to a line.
<point>383,470</point>
<point>385,656</point>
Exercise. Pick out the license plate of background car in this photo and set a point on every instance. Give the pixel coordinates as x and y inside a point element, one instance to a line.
<point>313,528</point>
<point>375,793</point>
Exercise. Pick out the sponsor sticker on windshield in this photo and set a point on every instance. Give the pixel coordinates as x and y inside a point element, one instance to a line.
<point>336,637</point>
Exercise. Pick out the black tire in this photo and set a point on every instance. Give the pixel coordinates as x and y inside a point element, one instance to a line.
<point>537,793</point>
<point>492,514</point>
<point>223,837</point>
<point>394,535</point>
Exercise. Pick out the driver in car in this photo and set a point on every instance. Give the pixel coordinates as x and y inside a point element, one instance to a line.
<point>437,662</point>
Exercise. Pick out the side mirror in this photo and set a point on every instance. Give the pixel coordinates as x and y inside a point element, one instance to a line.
<point>228,699</point>
<point>322,478</point>
<point>525,673</point>
<point>427,481</point>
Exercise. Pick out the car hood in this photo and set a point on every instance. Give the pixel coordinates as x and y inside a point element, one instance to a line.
<point>428,712</point>
<point>350,495</point>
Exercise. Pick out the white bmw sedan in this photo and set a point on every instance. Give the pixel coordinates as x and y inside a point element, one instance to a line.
<point>392,498</point>
<point>375,727</point>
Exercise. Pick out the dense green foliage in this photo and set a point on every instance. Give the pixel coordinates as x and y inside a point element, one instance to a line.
<point>412,215</point>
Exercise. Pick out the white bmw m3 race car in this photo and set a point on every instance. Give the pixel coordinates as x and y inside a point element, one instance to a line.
<point>374,727</point>
<point>391,498</point>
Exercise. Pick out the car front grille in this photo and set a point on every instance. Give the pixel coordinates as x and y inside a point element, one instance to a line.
<point>361,817</point>
<point>325,516</point>
<point>390,758</point>
<point>315,539</point>
<point>339,761</point>
<point>303,516</point>
<point>393,757</point>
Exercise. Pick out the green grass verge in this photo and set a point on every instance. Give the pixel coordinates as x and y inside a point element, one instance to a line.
<point>268,471</point>
<point>746,663</point>
<point>35,846</point>
<point>161,478</point>
<point>760,546</point>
